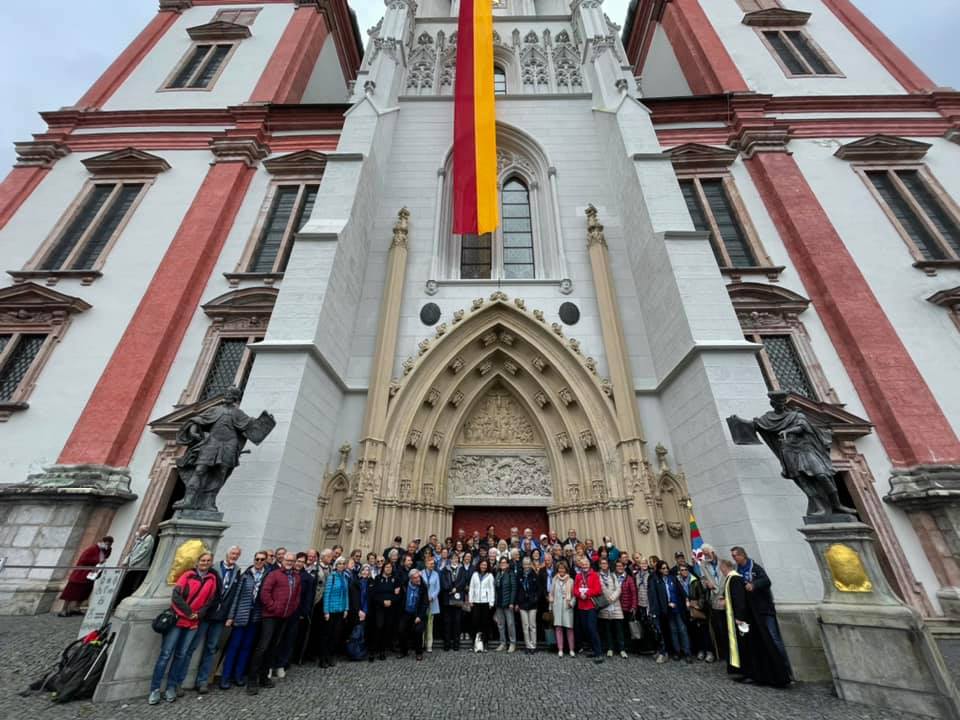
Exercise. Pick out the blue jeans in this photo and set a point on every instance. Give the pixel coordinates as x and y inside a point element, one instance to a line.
<point>175,644</point>
<point>238,652</point>
<point>588,624</point>
<point>209,632</point>
<point>678,634</point>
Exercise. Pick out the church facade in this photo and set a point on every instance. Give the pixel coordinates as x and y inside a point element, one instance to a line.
<point>702,202</point>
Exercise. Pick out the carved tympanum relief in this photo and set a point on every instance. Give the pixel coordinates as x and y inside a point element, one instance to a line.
<point>500,476</point>
<point>498,420</point>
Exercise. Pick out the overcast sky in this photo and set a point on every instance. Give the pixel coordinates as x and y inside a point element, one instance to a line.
<point>52,50</point>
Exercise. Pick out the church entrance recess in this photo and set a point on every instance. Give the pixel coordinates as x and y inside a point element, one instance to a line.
<point>477,519</point>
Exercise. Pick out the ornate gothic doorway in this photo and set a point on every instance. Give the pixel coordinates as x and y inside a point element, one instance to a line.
<point>503,518</point>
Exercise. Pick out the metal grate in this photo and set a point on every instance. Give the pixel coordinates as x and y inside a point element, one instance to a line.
<point>18,364</point>
<point>787,366</point>
<point>223,371</point>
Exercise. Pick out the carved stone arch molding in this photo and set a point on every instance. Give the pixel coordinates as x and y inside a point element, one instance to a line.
<point>333,510</point>
<point>501,344</point>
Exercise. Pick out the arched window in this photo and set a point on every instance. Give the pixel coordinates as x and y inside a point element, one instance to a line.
<point>499,80</point>
<point>528,242</point>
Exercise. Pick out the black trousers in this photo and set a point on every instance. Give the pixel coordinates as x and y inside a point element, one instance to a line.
<point>333,633</point>
<point>317,629</point>
<point>480,617</point>
<point>451,627</point>
<point>384,630</point>
<point>411,634</point>
<point>271,635</point>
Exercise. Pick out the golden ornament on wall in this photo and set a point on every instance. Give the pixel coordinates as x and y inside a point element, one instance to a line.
<point>847,570</point>
<point>185,559</point>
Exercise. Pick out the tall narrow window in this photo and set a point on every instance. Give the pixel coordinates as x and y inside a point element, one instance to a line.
<point>517,223</point>
<point>291,209</point>
<point>918,211</point>
<point>712,211</point>
<point>201,67</point>
<point>499,81</point>
<point>93,226</point>
<point>782,366</point>
<point>797,53</point>
<point>231,366</point>
<point>18,353</point>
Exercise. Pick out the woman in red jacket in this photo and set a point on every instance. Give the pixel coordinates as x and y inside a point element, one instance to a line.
<point>586,588</point>
<point>194,594</point>
<point>79,586</point>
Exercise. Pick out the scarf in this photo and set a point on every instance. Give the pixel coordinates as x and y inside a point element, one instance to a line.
<point>413,598</point>
<point>731,623</point>
<point>746,571</point>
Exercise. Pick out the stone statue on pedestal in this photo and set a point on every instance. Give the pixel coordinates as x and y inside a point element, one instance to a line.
<point>215,441</point>
<point>803,448</point>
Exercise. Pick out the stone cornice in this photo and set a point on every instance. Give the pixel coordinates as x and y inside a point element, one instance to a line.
<point>776,17</point>
<point>128,161</point>
<point>883,148</point>
<point>233,149</point>
<point>219,30</point>
<point>39,153</point>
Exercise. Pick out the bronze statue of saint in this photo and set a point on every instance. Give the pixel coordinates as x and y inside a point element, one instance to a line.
<point>803,449</point>
<point>215,440</point>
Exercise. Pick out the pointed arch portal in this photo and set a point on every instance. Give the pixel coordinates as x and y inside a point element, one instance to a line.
<point>500,411</point>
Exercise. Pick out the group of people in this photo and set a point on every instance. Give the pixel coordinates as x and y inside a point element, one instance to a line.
<point>467,592</point>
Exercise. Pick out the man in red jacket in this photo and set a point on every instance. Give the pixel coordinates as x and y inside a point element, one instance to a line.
<point>280,599</point>
<point>586,588</point>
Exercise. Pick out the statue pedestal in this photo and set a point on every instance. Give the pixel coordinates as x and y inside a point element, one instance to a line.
<point>879,650</point>
<point>136,647</point>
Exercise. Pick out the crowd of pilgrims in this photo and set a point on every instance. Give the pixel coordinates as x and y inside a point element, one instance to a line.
<point>476,593</point>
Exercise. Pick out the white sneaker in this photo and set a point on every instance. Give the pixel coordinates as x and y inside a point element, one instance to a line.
<point>623,654</point>
<point>573,653</point>
<point>280,673</point>
<point>560,654</point>
<point>710,657</point>
<point>609,653</point>
<point>154,698</point>
<point>513,648</point>
<point>501,647</point>
<point>270,673</point>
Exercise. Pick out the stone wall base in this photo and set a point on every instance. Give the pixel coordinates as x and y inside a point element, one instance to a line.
<point>136,646</point>
<point>46,521</point>
<point>801,636</point>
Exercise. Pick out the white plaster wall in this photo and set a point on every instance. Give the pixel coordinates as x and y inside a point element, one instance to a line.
<point>326,83</point>
<point>236,82</point>
<point>662,75</point>
<point>189,352</point>
<point>831,180</point>
<point>863,74</point>
<point>34,438</point>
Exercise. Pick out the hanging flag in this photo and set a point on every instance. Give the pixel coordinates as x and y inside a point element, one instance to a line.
<point>475,209</point>
<point>696,541</point>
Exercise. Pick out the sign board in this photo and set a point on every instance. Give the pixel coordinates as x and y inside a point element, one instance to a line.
<point>101,600</point>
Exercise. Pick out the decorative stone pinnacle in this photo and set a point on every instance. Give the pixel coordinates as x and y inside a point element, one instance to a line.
<point>401,229</point>
<point>344,456</point>
<point>595,234</point>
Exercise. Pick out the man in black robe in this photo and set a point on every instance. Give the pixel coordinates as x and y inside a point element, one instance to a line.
<point>768,663</point>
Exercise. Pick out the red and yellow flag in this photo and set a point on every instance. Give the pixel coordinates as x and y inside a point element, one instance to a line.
<point>475,209</point>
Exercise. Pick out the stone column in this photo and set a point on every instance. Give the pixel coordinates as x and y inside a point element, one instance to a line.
<point>880,651</point>
<point>369,476</point>
<point>931,498</point>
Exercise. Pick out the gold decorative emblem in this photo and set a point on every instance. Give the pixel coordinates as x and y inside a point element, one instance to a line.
<point>847,569</point>
<point>184,559</point>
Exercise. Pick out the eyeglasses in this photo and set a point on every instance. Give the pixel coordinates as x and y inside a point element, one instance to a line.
<point>259,559</point>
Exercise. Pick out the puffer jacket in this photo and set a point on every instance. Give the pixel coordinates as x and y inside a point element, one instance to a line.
<point>246,608</point>
<point>279,596</point>
<point>528,591</point>
<point>628,594</point>
<point>611,590</point>
<point>506,587</point>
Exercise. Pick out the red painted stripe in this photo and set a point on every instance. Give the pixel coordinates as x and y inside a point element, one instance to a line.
<point>881,47</point>
<point>464,128</point>
<point>706,64</point>
<point>909,421</point>
<point>118,409</point>
<point>16,188</point>
<point>129,59</point>
<point>287,73</point>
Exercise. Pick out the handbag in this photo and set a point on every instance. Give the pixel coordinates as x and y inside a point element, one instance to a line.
<point>163,622</point>
<point>601,601</point>
<point>696,613</point>
<point>636,630</point>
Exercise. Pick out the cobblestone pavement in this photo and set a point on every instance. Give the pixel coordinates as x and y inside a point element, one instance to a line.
<point>444,685</point>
